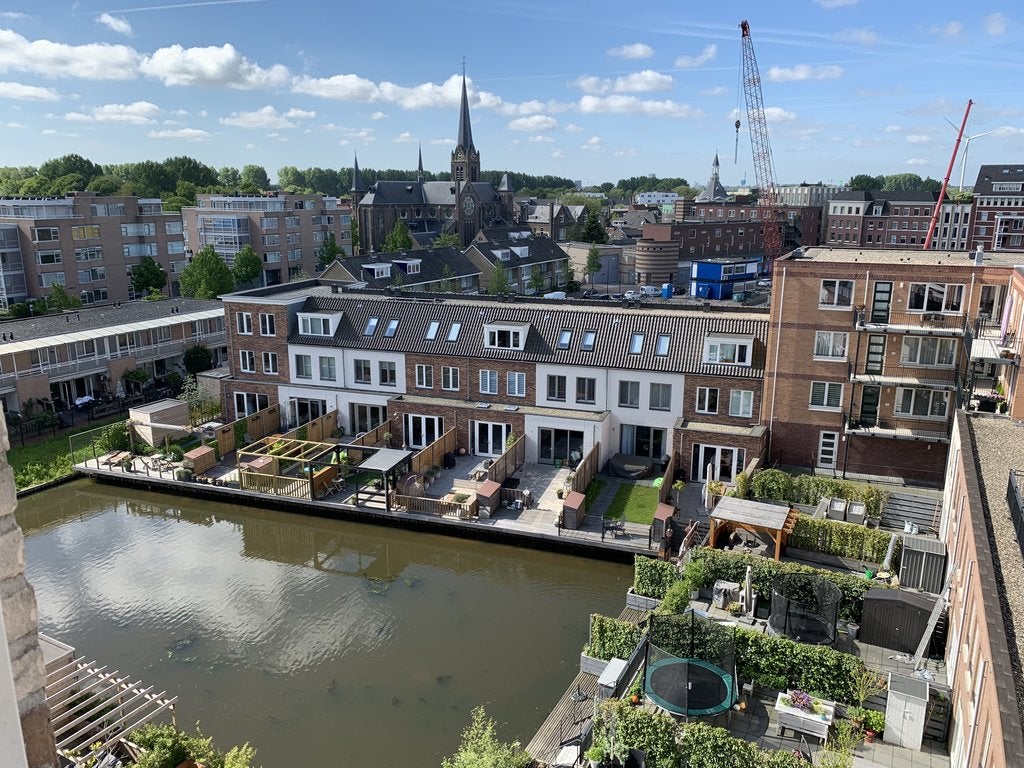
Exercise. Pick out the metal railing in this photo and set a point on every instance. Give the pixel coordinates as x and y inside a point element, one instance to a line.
<point>1016,503</point>
<point>945,378</point>
<point>898,427</point>
<point>922,320</point>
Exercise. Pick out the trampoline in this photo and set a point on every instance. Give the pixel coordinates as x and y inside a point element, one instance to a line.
<point>805,608</point>
<point>690,687</point>
<point>690,664</point>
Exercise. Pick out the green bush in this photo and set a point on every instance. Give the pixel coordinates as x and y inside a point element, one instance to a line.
<point>773,484</point>
<point>652,578</point>
<point>676,599</point>
<point>743,486</point>
<point>874,721</point>
<point>611,638</point>
<point>834,537</point>
<point>810,489</point>
<point>732,566</point>
<point>168,748</point>
<point>241,427</point>
<point>114,437</point>
<point>704,746</point>
<point>656,733</point>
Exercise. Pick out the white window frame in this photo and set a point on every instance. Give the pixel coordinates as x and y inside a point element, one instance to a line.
<point>268,324</point>
<point>728,352</point>
<point>424,376</point>
<point>930,394</point>
<point>741,403</point>
<point>364,365</point>
<point>303,366</point>
<point>450,378</point>
<point>950,298</point>
<point>315,326</point>
<point>664,401</point>
<point>246,361</point>
<point>243,323</point>
<point>831,345</point>
<point>270,363</point>
<point>328,368</point>
<point>515,384</point>
<point>925,351</point>
<point>829,391</point>
<point>488,382</point>
<point>703,399</point>
<point>838,294</point>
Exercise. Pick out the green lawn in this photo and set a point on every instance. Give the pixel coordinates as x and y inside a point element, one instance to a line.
<point>51,455</point>
<point>634,503</point>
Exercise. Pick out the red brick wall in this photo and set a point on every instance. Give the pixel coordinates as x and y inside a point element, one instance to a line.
<point>469,379</point>
<point>456,415</point>
<point>724,385</point>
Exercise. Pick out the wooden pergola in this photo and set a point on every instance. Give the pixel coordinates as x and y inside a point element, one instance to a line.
<point>756,516</point>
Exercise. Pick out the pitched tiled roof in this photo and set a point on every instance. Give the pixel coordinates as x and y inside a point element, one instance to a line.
<point>614,327</point>
<point>432,266</point>
<point>988,174</point>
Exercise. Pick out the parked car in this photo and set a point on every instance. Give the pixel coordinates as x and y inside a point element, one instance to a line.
<point>764,283</point>
<point>599,296</point>
<point>632,295</point>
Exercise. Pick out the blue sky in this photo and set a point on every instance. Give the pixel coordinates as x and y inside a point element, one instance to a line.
<point>594,91</point>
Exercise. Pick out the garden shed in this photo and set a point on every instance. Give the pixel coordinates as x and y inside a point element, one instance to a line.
<point>923,564</point>
<point>155,421</point>
<point>897,619</point>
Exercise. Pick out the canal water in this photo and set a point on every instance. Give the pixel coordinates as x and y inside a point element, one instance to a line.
<point>320,642</point>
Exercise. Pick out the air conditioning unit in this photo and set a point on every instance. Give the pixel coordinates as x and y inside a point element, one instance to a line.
<point>932,317</point>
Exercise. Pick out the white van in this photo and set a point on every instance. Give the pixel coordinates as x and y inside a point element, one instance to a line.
<point>555,295</point>
<point>650,290</point>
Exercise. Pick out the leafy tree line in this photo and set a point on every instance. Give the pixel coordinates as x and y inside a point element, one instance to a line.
<point>897,182</point>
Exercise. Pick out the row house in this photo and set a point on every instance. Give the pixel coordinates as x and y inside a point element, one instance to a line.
<point>998,223</point>
<point>655,383</point>
<point>549,218</point>
<point>871,353</point>
<point>440,270</point>
<point>287,231</point>
<point>896,220</point>
<point>532,264</point>
<point>84,354</point>
<point>85,242</point>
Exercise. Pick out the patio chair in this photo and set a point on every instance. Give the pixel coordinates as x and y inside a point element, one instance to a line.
<point>337,484</point>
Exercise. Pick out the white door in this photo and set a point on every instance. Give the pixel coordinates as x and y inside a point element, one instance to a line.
<point>957,758</point>
<point>828,449</point>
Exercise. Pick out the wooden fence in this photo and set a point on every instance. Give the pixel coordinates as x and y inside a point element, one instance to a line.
<point>256,426</point>
<point>433,454</point>
<point>665,493</point>
<point>586,470</point>
<point>439,507</point>
<point>275,485</point>
<point>509,462</point>
<point>316,430</point>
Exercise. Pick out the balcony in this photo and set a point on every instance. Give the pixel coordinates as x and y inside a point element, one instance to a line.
<point>907,376</point>
<point>990,345</point>
<point>897,428</point>
<point>933,323</point>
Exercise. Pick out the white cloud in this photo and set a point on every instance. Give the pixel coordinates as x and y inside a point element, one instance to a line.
<point>266,118</point>
<point>632,51</point>
<point>558,154</point>
<point>540,139</point>
<point>593,144</point>
<point>628,152</point>
<point>94,61</point>
<point>892,128</point>
<point>643,82</point>
<point>860,35</point>
<point>918,138</point>
<point>573,128</point>
<point>704,57</point>
<point>23,92</point>
<point>250,145</point>
<point>444,142</point>
<point>13,15</point>
<point>52,132</point>
<point>778,115</point>
<point>950,29</point>
<point>917,161</point>
<point>633,105</point>
<point>186,134</point>
<point>211,66</point>
<point>533,123</point>
<point>804,72</point>
<point>136,113</point>
<point>995,24</point>
<point>404,138</point>
<point>830,5</point>
<point>117,23</point>
<point>15,125</point>
<point>718,90</point>
<point>378,115</point>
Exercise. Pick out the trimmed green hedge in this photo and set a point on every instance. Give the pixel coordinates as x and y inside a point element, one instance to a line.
<point>652,578</point>
<point>729,566</point>
<point>834,537</point>
<point>611,638</point>
<point>810,489</point>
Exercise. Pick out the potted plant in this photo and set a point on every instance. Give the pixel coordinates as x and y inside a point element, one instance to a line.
<point>874,724</point>
<point>128,463</point>
<point>678,487</point>
<point>735,608</point>
<point>560,492</point>
<point>597,752</point>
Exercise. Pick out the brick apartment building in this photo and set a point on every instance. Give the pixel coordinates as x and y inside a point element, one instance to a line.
<point>896,220</point>
<point>644,382</point>
<point>287,231</point>
<point>84,354</point>
<point>87,243</point>
<point>998,222</point>
<point>871,352</point>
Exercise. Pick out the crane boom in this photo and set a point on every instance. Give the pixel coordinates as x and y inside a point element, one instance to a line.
<point>764,170</point>
<point>945,182</point>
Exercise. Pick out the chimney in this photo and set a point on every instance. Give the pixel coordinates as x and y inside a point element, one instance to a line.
<point>979,256</point>
<point>334,287</point>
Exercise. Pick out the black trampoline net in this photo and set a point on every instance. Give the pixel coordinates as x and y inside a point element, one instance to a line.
<point>805,608</point>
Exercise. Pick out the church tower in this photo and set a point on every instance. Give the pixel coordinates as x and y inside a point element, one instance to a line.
<point>465,158</point>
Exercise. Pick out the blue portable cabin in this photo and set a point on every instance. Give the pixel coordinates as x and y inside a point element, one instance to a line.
<point>724,276</point>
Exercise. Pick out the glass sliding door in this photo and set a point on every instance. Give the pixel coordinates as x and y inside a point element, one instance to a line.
<point>563,444</point>
<point>638,440</point>
<point>489,438</point>
<point>421,431</point>
<point>723,462</point>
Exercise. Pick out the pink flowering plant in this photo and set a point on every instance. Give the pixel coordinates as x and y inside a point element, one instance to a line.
<point>801,700</point>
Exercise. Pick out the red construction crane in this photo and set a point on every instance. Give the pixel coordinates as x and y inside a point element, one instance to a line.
<point>945,181</point>
<point>764,170</point>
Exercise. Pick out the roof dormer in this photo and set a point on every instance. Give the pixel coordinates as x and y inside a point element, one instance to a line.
<point>503,335</point>
<point>319,323</point>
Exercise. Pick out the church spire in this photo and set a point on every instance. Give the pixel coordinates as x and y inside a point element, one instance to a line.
<point>357,177</point>
<point>419,167</point>
<point>465,139</point>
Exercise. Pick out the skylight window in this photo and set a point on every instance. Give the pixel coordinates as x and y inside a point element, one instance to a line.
<point>371,326</point>
<point>392,328</point>
<point>636,344</point>
<point>564,338</point>
<point>661,347</point>
<point>453,332</point>
<point>432,330</point>
<point>587,345</point>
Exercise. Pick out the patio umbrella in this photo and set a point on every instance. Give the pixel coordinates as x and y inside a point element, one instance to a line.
<point>708,477</point>
<point>119,392</point>
<point>748,591</point>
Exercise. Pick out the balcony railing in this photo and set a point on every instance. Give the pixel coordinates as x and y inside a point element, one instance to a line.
<point>898,428</point>
<point>932,322</point>
<point>1015,499</point>
<point>896,375</point>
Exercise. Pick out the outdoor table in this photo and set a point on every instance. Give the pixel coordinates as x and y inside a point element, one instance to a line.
<point>801,721</point>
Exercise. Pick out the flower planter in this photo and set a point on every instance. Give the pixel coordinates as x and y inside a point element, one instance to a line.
<point>639,602</point>
<point>592,666</point>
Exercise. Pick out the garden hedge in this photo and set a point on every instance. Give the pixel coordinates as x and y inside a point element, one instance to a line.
<point>834,537</point>
<point>810,489</point>
<point>611,638</point>
<point>652,578</point>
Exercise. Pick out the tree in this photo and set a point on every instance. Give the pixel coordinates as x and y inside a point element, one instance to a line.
<point>147,275</point>
<point>536,279</point>
<point>480,747</point>
<point>446,240</point>
<point>499,284</point>
<point>59,299</point>
<point>70,164</point>
<point>290,177</point>
<point>197,359</point>
<point>862,182</point>
<point>902,182</point>
<point>229,177</point>
<point>105,185</point>
<point>355,234</point>
<point>329,251</point>
<point>255,177</point>
<point>593,263</point>
<point>593,230</point>
<point>398,239</point>
<point>446,285</point>
<point>149,179</point>
<point>206,276</point>
<point>248,266</point>
<point>188,169</point>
